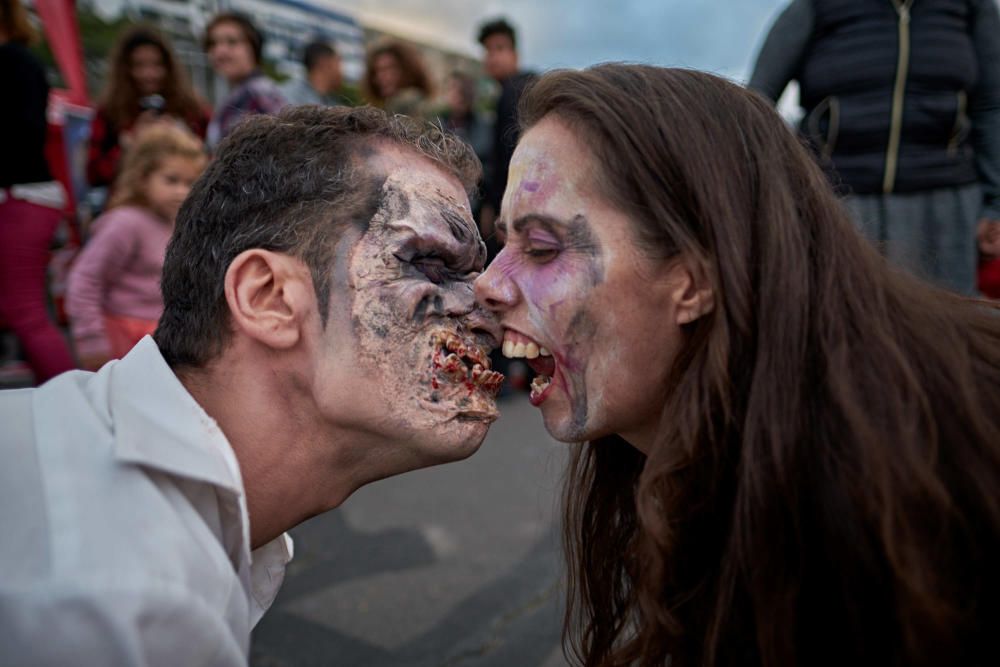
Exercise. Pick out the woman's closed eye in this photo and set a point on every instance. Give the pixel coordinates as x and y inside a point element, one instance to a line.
<point>541,247</point>
<point>541,253</point>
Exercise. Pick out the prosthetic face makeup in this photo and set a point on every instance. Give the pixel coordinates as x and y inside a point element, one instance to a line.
<point>410,344</point>
<point>577,297</point>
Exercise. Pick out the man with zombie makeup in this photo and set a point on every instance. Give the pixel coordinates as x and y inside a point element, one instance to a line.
<point>319,333</point>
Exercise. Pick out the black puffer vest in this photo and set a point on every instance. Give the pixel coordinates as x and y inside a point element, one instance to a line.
<point>886,85</point>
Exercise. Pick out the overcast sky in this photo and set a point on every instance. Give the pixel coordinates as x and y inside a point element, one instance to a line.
<point>717,35</point>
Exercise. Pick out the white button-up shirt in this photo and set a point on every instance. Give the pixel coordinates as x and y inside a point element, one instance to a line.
<point>124,537</point>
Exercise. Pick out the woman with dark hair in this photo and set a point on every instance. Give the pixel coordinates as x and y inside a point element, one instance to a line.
<point>397,80</point>
<point>235,48</point>
<point>146,85</point>
<point>791,450</point>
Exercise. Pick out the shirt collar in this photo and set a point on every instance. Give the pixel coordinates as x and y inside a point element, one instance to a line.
<point>158,424</point>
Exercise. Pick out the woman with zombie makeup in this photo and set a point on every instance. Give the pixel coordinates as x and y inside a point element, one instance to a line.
<point>146,86</point>
<point>791,451</point>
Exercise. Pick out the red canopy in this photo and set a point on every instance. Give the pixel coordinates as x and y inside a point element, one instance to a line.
<point>63,34</point>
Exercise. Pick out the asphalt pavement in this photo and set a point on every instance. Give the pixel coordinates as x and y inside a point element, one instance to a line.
<point>453,566</point>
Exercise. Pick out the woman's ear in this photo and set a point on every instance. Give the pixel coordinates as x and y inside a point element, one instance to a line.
<point>691,291</point>
<point>269,295</point>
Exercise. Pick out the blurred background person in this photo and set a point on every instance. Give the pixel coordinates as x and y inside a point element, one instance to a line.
<point>324,77</point>
<point>31,202</point>
<point>499,41</point>
<point>989,258</point>
<point>114,286</point>
<point>461,117</point>
<point>236,48</point>
<point>500,60</point>
<point>902,101</point>
<point>145,85</point>
<point>397,80</point>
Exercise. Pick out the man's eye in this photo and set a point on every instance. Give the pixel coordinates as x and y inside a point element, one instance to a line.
<point>432,267</point>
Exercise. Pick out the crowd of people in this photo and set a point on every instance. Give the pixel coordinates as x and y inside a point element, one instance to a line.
<point>936,213</point>
<point>782,403</point>
<point>147,104</point>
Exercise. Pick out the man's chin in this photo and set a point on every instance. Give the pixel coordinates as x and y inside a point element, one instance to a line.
<point>459,438</point>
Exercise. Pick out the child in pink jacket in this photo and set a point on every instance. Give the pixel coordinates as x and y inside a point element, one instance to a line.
<point>113,297</point>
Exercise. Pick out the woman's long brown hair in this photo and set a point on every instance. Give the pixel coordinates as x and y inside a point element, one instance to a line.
<point>824,488</point>
<point>120,99</point>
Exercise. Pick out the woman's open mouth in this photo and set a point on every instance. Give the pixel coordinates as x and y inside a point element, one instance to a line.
<point>518,346</point>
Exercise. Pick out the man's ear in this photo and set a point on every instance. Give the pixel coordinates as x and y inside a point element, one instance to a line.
<point>269,294</point>
<point>691,291</point>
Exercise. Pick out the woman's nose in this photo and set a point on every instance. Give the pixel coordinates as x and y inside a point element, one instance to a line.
<point>494,288</point>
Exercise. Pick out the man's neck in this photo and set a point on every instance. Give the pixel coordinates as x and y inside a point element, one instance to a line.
<point>293,466</point>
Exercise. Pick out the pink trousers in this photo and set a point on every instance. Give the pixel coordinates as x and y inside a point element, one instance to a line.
<point>26,232</point>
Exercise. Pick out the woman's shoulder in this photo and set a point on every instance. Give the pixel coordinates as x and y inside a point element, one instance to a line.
<point>197,118</point>
<point>20,65</point>
<point>17,52</point>
<point>104,122</point>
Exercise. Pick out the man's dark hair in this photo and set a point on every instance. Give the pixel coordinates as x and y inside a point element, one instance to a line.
<point>250,32</point>
<point>287,183</point>
<point>316,51</point>
<point>497,27</point>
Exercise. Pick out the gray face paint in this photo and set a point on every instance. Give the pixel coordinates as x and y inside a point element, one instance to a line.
<point>414,316</point>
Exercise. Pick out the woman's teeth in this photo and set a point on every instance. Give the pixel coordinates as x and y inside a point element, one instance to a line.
<point>540,384</point>
<point>522,350</point>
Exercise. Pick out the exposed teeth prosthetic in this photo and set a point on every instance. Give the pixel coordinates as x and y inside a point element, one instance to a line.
<point>519,346</point>
<point>457,361</point>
